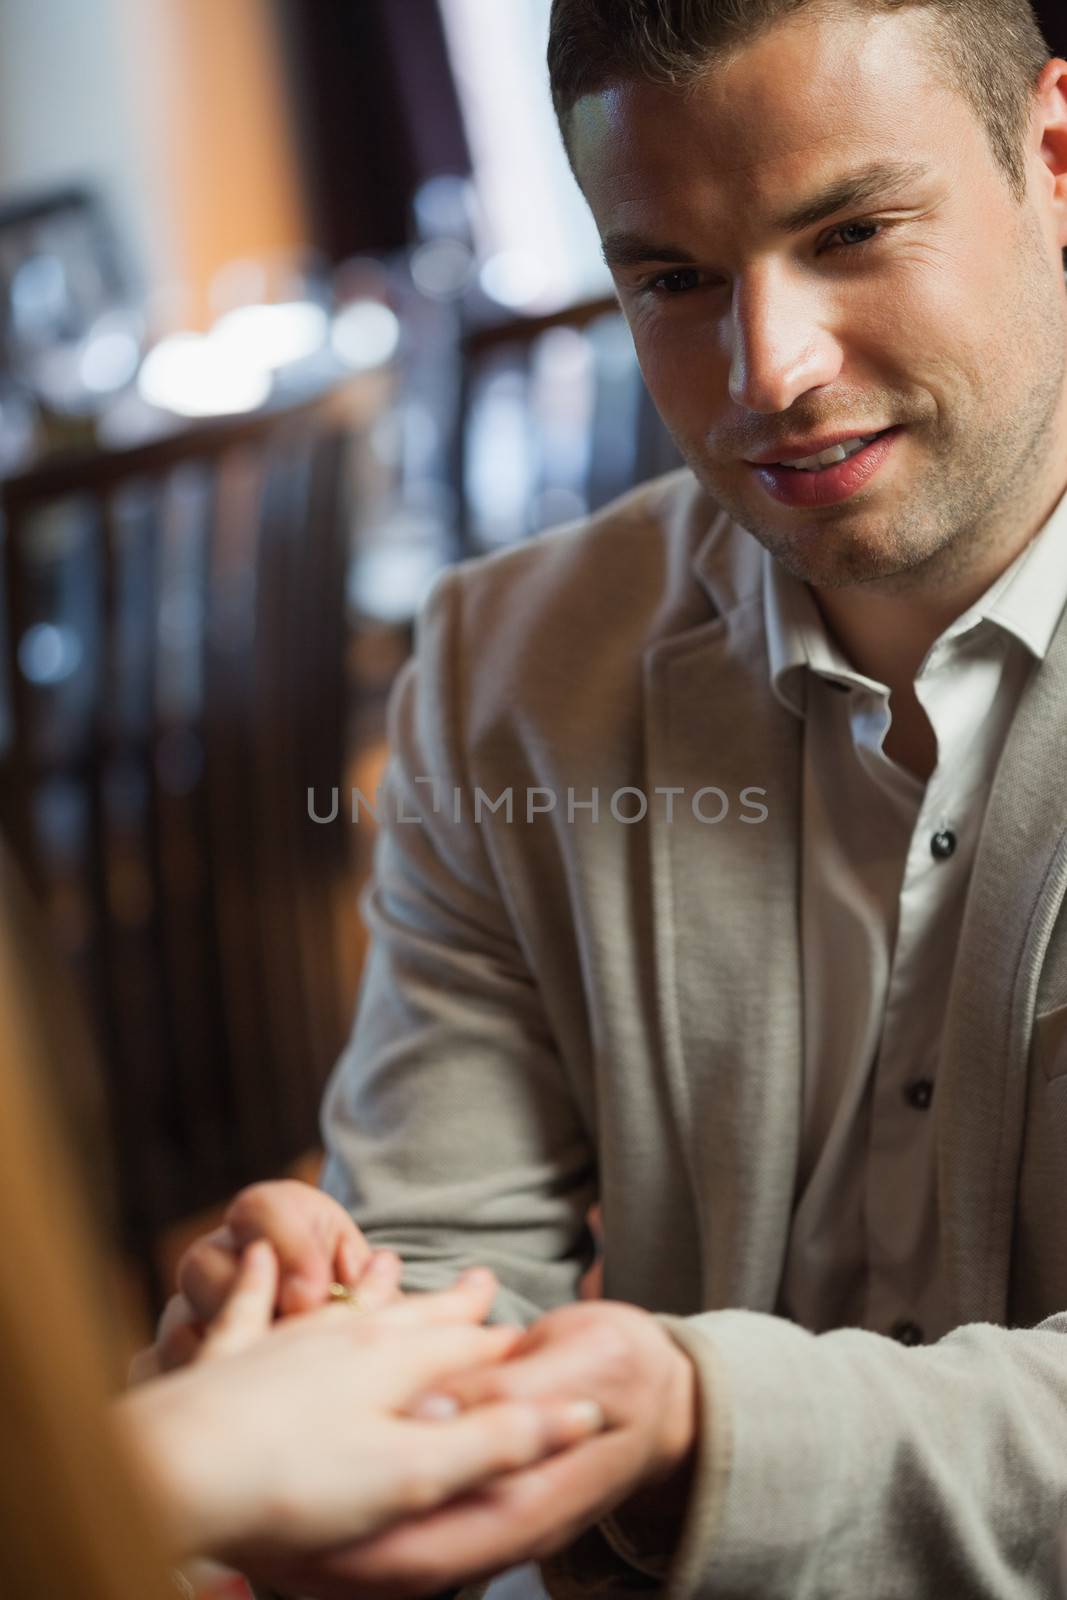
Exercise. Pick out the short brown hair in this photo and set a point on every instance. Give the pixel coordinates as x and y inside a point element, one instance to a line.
<point>994,49</point>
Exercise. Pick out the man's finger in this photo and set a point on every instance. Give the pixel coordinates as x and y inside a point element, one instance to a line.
<point>181,1347</point>
<point>353,1258</point>
<point>467,1539</point>
<point>178,1339</point>
<point>144,1365</point>
<point>207,1270</point>
<point>527,1515</point>
<point>315,1239</point>
<point>148,1363</point>
<point>249,1308</point>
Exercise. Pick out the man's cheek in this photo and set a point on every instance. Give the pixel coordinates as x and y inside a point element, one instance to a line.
<point>690,404</point>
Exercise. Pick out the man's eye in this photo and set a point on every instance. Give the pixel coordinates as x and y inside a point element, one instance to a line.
<point>852,236</point>
<point>672,284</point>
<point>847,234</point>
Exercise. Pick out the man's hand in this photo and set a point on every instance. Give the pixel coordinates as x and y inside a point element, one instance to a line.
<point>306,1434</point>
<point>316,1243</point>
<point>615,1355</point>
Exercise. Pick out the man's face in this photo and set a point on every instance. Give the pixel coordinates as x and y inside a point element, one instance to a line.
<point>933,304</point>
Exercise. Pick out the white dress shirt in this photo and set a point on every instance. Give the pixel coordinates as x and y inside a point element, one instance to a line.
<point>886,864</point>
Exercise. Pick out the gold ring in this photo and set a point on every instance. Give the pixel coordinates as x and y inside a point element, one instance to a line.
<point>344,1294</point>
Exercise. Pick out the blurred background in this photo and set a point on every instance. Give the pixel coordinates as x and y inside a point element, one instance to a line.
<point>298,304</point>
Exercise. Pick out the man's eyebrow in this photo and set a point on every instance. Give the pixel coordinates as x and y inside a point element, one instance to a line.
<point>622,249</point>
<point>859,188</point>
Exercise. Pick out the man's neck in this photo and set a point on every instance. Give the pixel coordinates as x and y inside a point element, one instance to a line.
<point>886,630</point>
<point>887,636</point>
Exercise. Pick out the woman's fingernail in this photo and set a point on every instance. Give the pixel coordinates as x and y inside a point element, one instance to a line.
<point>435,1408</point>
<point>477,1277</point>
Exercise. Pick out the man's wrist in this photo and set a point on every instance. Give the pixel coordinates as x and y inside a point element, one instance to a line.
<point>646,1527</point>
<point>651,1519</point>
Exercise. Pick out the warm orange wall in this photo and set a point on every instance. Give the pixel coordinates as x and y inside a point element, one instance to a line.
<point>208,81</point>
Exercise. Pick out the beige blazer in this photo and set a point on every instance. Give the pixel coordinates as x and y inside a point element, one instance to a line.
<point>570,1008</point>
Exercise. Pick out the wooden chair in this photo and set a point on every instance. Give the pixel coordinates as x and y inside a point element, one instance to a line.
<point>176,632</point>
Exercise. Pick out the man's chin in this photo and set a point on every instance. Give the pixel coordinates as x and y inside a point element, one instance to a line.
<point>825,567</point>
<point>837,555</point>
<point>832,548</point>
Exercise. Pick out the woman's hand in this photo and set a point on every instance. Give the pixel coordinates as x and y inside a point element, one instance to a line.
<point>299,1437</point>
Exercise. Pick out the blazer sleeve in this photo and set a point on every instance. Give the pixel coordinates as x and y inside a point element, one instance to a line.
<point>844,1464</point>
<point>452,1131</point>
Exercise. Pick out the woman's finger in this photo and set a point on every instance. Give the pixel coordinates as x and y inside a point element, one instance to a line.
<point>497,1439</point>
<point>565,1369</point>
<point>249,1308</point>
<point>469,1299</point>
<point>378,1285</point>
<point>414,1363</point>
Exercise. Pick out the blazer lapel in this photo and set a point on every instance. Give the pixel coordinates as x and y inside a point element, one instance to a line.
<point>1020,875</point>
<point>725,898</point>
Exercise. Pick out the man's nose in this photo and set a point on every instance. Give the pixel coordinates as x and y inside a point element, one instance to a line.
<point>781,343</point>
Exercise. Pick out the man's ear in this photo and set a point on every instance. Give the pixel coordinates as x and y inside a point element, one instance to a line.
<point>1050,115</point>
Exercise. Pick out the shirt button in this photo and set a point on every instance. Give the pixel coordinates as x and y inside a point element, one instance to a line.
<point>905,1332</point>
<point>943,845</point>
<point>919,1094</point>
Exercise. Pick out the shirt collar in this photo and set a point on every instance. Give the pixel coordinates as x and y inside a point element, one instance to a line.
<point>1026,601</point>
<point>1029,599</point>
<point>797,639</point>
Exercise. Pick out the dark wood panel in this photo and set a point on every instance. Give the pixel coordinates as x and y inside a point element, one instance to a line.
<point>161,785</point>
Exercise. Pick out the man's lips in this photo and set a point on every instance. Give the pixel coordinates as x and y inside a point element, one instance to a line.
<point>828,486</point>
<point>800,449</point>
